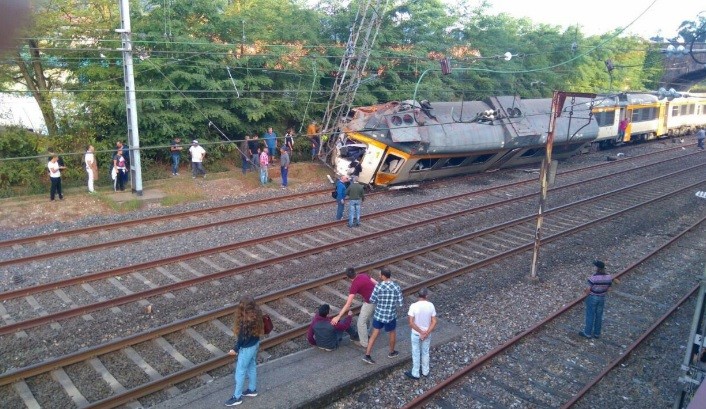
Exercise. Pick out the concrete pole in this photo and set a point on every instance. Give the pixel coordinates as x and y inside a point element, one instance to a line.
<point>544,171</point>
<point>130,101</point>
<point>558,99</point>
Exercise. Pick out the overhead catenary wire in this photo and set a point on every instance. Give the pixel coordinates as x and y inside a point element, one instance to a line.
<point>236,141</point>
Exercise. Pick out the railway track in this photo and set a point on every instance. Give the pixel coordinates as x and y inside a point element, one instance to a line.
<point>136,283</point>
<point>291,307</point>
<point>549,364</point>
<point>32,249</point>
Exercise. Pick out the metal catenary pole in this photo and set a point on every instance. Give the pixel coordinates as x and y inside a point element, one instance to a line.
<point>130,104</point>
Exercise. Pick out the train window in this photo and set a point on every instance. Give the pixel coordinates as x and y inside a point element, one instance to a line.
<point>453,162</point>
<point>675,111</point>
<point>692,109</point>
<point>644,114</point>
<point>424,164</point>
<point>392,164</point>
<point>605,118</point>
<point>684,109</point>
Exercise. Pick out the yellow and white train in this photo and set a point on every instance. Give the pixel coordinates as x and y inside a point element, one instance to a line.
<point>409,141</point>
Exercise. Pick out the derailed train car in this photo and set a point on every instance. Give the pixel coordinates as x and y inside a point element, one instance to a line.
<point>407,141</point>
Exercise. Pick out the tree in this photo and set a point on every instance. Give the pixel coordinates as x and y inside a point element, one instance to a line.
<point>44,56</point>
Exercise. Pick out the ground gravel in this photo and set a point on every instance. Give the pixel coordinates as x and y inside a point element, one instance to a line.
<point>489,308</point>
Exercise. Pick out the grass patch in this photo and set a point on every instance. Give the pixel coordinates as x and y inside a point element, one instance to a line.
<point>120,207</point>
<point>176,199</point>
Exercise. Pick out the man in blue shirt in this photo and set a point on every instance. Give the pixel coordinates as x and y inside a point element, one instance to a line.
<point>270,138</point>
<point>387,296</point>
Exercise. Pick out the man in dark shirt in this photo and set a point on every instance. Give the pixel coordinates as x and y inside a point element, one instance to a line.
<point>598,285</point>
<point>356,194</point>
<point>254,154</point>
<point>323,334</point>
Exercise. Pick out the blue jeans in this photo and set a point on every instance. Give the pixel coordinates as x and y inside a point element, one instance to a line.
<point>354,212</point>
<point>263,175</point>
<point>594,315</point>
<point>255,161</point>
<point>245,163</point>
<point>246,365</point>
<point>273,151</point>
<point>197,169</point>
<point>175,164</point>
<point>420,349</point>
<point>339,210</point>
<point>285,173</point>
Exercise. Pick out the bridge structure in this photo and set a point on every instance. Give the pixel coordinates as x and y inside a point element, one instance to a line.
<point>684,69</point>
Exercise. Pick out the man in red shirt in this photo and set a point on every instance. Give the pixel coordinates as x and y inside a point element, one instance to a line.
<point>362,284</point>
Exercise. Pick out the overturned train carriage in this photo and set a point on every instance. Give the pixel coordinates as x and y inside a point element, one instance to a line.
<point>407,141</point>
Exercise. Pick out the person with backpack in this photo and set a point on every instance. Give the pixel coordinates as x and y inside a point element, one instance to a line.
<point>340,196</point>
<point>248,328</point>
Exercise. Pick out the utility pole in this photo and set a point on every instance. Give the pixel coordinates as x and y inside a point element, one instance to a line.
<point>558,100</point>
<point>349,76</point>
<point>130,103</point>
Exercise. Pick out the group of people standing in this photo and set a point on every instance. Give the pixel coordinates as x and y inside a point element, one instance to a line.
<point>260,156</point>
<point>255,155</point>
<point>119,168</point>
<point>355,192</point>
<point>381,298</point>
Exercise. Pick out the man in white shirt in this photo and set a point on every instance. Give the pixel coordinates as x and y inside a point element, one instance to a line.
<point>422,320</point>
<point>197,155</point>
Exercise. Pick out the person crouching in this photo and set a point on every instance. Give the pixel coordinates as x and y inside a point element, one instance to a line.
<point>325,335</point>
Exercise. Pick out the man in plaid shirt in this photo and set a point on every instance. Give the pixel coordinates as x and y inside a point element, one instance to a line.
<point>387,296</point>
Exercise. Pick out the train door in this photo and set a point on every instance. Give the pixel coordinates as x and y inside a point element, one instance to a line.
<point>662,126</point>
<point>371,163</point>
<point>627,114</point>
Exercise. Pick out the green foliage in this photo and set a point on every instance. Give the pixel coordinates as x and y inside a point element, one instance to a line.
<point>217,70</point>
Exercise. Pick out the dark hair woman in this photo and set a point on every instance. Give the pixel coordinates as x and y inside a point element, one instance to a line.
<point>248,329</point>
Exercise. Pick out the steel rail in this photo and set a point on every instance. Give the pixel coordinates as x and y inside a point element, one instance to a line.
<point>43,367</point>
<point>136,296</point>
<point>172,232</point>
<point>630,348</point>
<point>152,219</point>
<point>169,260</point>
<point>461,373</point>
<point>216,209</point>
<point>160,384</point>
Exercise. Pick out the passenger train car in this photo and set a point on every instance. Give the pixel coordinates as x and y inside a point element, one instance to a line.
<point>408,141</point>
<point>650,116</point>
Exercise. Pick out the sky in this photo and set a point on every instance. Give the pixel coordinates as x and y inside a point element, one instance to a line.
<point>602,16</point>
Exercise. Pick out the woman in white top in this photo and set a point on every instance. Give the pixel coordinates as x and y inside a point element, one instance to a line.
<point>91,167</point>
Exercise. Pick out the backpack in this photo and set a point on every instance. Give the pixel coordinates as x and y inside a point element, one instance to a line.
<point>267,323</point>
<point>334,194</point>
